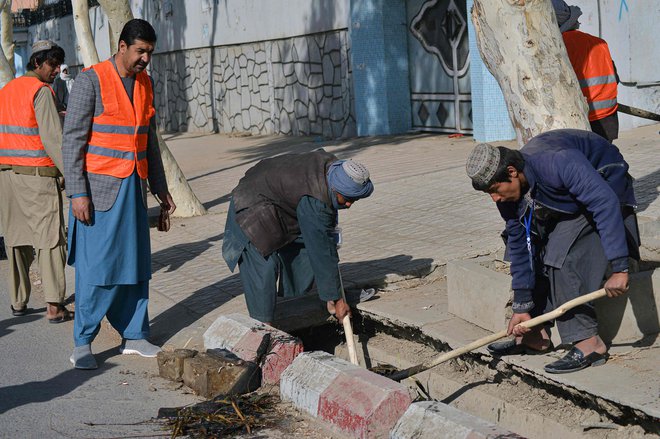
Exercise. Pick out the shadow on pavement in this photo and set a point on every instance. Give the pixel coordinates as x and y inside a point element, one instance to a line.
<point>18,395</point>
<point>6,324</point>
<point>173,258</point>
<point>373,273</point>
<point>646,190</point>
<point>186,312</point>
<point>272,147</point>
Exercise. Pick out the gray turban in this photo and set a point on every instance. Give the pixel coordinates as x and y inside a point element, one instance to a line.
<point>482,164</point>
<point>567,16</point>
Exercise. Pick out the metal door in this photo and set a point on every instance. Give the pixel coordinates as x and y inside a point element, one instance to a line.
<point>438,52</point>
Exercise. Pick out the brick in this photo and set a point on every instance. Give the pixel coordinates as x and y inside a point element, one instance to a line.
<point>433,419</point>
<point>220,372</point>
<point>351,400</point>
<point>170,364</point>
<point>244,337</point>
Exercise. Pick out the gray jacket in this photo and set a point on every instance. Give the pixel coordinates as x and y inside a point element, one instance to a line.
<point>85,103</point>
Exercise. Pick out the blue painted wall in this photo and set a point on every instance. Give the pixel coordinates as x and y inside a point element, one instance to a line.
<point>379,57</point>
<point>490,117</point>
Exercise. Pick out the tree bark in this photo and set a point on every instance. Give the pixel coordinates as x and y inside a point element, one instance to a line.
<point>187,203</point>
<point>84,33</point>
<point>119,12</point>
<point>7,47</point>
<point>520,43</point>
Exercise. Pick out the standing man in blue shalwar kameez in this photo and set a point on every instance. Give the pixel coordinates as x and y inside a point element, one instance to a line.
<point>110,151</point>
<point>282,224</point>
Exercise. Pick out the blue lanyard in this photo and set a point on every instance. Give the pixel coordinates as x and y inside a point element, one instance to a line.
<point>528,232</point>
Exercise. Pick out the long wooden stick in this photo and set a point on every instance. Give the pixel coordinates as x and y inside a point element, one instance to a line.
<point>403,374</point>
<point>348,327</point>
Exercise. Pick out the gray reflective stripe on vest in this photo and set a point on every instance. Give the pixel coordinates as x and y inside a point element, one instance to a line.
<point>599,105</point>
<point>119,129</point>
<point>108,152</point>
<point>598,80</point>
<point>29,153</point>
<point>13,129</point>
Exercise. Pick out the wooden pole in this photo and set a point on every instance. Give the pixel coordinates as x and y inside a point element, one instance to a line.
<point>348,327</point>
<point>406,373</point>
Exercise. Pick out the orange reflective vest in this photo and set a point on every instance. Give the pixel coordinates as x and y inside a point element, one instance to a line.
<point>594,69</point>
<point>118,140</point>
<point>20,143</point>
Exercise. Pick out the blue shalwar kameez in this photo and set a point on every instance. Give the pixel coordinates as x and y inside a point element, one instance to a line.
<point>112,258</point>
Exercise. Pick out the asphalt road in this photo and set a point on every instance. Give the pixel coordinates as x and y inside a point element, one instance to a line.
<point>42,395</point>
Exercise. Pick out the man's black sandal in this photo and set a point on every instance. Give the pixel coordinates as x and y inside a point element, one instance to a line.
<point>18,312</point>
<point>575,360</point>
<point>509,347</point>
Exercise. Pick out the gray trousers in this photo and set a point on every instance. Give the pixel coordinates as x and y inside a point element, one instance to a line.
<point>583,271</point>
<point>575,267</point>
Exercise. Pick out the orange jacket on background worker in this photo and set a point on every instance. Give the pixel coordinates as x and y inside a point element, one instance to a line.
<point>594,68</point>
<point>20,143</point>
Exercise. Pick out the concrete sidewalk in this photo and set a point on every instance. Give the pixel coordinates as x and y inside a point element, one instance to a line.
<point>422,214</point>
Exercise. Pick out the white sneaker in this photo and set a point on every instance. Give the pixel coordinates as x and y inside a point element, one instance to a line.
<point>140,347</point>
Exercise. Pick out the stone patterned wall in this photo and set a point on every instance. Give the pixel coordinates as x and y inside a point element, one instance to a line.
<point>298,86</point>
<point>182,89</point>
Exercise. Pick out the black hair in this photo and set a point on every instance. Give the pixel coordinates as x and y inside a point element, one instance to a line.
<point>137,29</point>
<point>53,56</point>
<point>508,157</point>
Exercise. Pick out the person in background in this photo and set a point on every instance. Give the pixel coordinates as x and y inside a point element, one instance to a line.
<point>594,68</point>
<point>62,87</point>
<point>31,211</point>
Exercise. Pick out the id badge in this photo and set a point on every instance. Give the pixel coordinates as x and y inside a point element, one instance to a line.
<point>337,236</point>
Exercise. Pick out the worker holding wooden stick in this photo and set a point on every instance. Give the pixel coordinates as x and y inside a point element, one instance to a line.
<point>568,203</point>
<point>281,228</point>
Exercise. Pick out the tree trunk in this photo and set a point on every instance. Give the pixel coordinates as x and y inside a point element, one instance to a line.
<point>187,203</point>
<point>521,45</point>
<point>7,46</point>
<point>119,12</point>
<point>84,32</point>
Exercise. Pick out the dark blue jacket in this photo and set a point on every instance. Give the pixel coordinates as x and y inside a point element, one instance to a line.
<point>570,171</point>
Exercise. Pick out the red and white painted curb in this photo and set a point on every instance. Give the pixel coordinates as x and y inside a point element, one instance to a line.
<point>433,419</point>
<point>242,335</point>
<point>351,399</point>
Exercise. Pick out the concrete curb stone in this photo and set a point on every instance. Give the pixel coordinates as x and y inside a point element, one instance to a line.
<point>244,336</point>
<point>433,419</point>
<point>352,400</point>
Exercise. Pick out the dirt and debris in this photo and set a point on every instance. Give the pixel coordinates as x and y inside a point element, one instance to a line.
<point>259,414</point>
<point>223,415</point>
<point>472,383</point>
